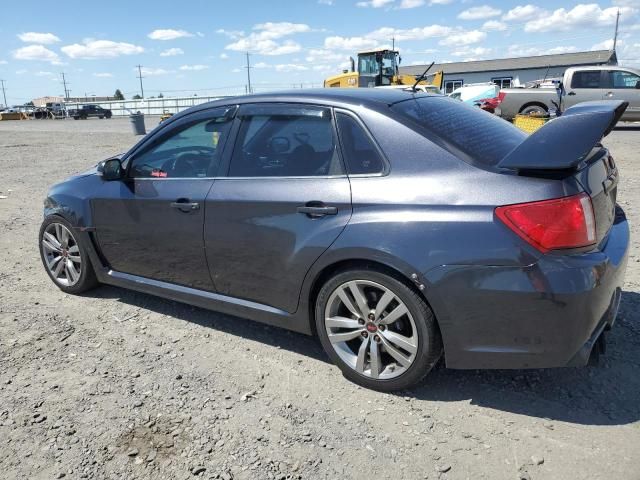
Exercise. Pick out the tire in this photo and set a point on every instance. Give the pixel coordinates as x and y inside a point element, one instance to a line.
<point>73,253</point>
<point>538,109</point>
<point>76,118</point>
<point>108,116</point>
<point>101,117</point>
<point>413,336</point>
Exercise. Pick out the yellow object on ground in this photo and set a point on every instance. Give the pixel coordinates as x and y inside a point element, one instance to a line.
<point>13,116</point>
<point>529,123</point>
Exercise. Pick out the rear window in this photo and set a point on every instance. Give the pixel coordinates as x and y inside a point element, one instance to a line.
<point>473,134</point>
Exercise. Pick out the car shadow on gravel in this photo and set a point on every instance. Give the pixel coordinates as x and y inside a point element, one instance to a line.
<point>605,394</point>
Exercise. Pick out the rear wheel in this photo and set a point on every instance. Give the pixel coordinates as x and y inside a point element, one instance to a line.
<point>377,330</point>
<point>534,109</point>
<point>64,256</point>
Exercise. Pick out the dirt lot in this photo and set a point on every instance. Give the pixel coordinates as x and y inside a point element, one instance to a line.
<point>122,385</point>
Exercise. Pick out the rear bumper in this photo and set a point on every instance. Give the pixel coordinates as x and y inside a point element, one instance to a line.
<point>549,314</point>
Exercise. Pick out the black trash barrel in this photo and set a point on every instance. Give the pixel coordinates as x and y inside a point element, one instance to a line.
<point>137,123</point>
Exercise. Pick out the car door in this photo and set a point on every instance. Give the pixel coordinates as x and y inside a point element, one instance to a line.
<point>285,199</point>
<point>150,224</point>
<point>624,85</point>
<point>586,85</point>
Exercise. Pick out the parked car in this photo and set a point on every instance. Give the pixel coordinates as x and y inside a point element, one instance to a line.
<point>475,92</point>
<point>365,218</point>
<point>86,111</point>
<point>418,88</point>
<point>580,84</point>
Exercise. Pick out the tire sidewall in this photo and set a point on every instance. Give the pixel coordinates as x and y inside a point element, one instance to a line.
<point>428,338</point>
<point>87,276</point>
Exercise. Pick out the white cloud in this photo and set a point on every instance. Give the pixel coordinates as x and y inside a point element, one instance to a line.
<point>236,70</point>
<point>440,2</point>
<point>374,3</point>
<point>224,56</point>
<point>411,3</point>
<point>43,74</point>
<point>479,13</point>
<point>153,72</point>
<point>194,67</point>
<point>349,43</point>
<point>472,52</point>
<point>524,51</point>
<point>290,67</point>
<point>580,16</point>
<point>262,39</point>
<point>418,33</point>
<point>3,62</point>
<point>322,55</point>
<point>494,26</point>
<point>41,38</point>
<point>172,52</point>
<point>36,52</point>
<point>605,45</point>
<point>232,34</point>
<point>522,13</point>
<point>168,34</point>
<point>325,2</point>
<point>103,75</point>
<point>100,49</point>
<point>463,38</point>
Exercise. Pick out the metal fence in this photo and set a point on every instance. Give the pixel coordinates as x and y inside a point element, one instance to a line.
<point>149,106</point>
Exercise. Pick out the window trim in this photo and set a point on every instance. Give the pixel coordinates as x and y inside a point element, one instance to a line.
<point>234,137</point>
<point>604,80</point>
<point>444,84</point>
<point>162,133</point>
<point>500,79</point>
<point>609,79</point>
<point>385,161</point>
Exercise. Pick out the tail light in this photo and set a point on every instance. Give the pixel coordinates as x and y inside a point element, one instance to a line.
<point>560,223</point>
<point>500,97</point>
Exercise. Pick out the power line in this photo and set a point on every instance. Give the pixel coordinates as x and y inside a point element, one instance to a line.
<point>140,77</point>
<point>4,94</point>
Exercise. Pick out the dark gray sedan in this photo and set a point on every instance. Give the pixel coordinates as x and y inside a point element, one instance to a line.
<point>399,228</point>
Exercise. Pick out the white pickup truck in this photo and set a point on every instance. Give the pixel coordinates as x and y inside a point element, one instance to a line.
<point>581,84</point>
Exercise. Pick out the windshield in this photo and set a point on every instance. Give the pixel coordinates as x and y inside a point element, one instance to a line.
<point>369,64</point>
<point>480,136</point>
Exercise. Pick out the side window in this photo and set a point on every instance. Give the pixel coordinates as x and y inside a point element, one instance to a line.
<point>191,152</point>
<point>288,142</point>
<point>620,79</point>
<point>361,155</point>
<point>586,79</point>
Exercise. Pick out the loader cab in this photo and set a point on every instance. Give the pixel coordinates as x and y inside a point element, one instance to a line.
<point>377,68</point>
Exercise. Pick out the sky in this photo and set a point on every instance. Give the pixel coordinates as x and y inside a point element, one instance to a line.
<point>198,47</point>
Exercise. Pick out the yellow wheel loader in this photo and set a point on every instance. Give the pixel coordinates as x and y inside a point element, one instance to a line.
<point>378,68</point>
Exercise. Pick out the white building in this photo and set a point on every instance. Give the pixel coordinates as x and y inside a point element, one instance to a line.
<point>508,72</point>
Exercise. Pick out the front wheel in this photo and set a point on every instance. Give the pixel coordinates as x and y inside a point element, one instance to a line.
<point>64,256</point>
<point>377,330</point>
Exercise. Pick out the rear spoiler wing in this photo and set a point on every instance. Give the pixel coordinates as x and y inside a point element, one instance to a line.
<point>564,142</point>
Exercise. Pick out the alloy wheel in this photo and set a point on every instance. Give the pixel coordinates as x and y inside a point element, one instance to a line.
<point>371,329</point>
<point>62,254</point>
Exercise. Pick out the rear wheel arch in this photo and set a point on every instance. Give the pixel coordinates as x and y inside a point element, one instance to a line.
<point>534,104</point>
<point>359,264</point>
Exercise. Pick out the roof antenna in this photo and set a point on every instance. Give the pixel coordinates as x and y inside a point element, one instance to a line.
<point>421,77</point>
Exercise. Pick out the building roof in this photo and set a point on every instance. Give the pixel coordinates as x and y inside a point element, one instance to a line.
<point>597,57</point>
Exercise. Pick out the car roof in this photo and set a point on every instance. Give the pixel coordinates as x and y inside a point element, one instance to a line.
<point>374,98</point>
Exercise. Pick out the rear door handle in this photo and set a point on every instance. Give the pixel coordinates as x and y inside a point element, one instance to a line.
<point>315,211</point>
<point>184,205</point>
<point>571,93</point>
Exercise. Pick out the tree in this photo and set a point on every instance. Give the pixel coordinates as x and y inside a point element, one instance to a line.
<point>118,95</point>
<point>160,95</point>
<point>136,97</point>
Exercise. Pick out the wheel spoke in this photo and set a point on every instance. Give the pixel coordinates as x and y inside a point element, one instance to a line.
<point>344,337</point>
<point>401,341</point>
<point>362,355</point>
<point>71,271</point>
<point>344,296</point>
<point>74,249</point>
<point>374,359</point>
<point>55,260</point>
<point>395,353</point>
<point>383,303</point>
<point>342,322</point>
<point>394,315</point>
<point>360,299</point>
<point>51,243</point>
<point>58,269</point>
<point>64,240</point>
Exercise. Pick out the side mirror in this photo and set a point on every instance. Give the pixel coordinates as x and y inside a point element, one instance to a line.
<point>110,169</point>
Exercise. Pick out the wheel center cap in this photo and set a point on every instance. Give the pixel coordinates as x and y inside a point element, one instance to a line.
<point>372,327</point>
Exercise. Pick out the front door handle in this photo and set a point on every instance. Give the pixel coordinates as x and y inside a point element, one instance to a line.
<point>571,94</point>
<point>184,205</point>
<point>608,94</point>
<point>317,209</point>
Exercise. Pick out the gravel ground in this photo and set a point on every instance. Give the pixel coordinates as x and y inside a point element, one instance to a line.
<point>122,385</point>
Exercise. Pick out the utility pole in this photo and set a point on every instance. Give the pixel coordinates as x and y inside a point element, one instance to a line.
<point>393,44</point>
<point>140,77</point>
<point>615,36</point>
<point>4,94</point>
<point>248,67</point>
<point>66,90</point>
